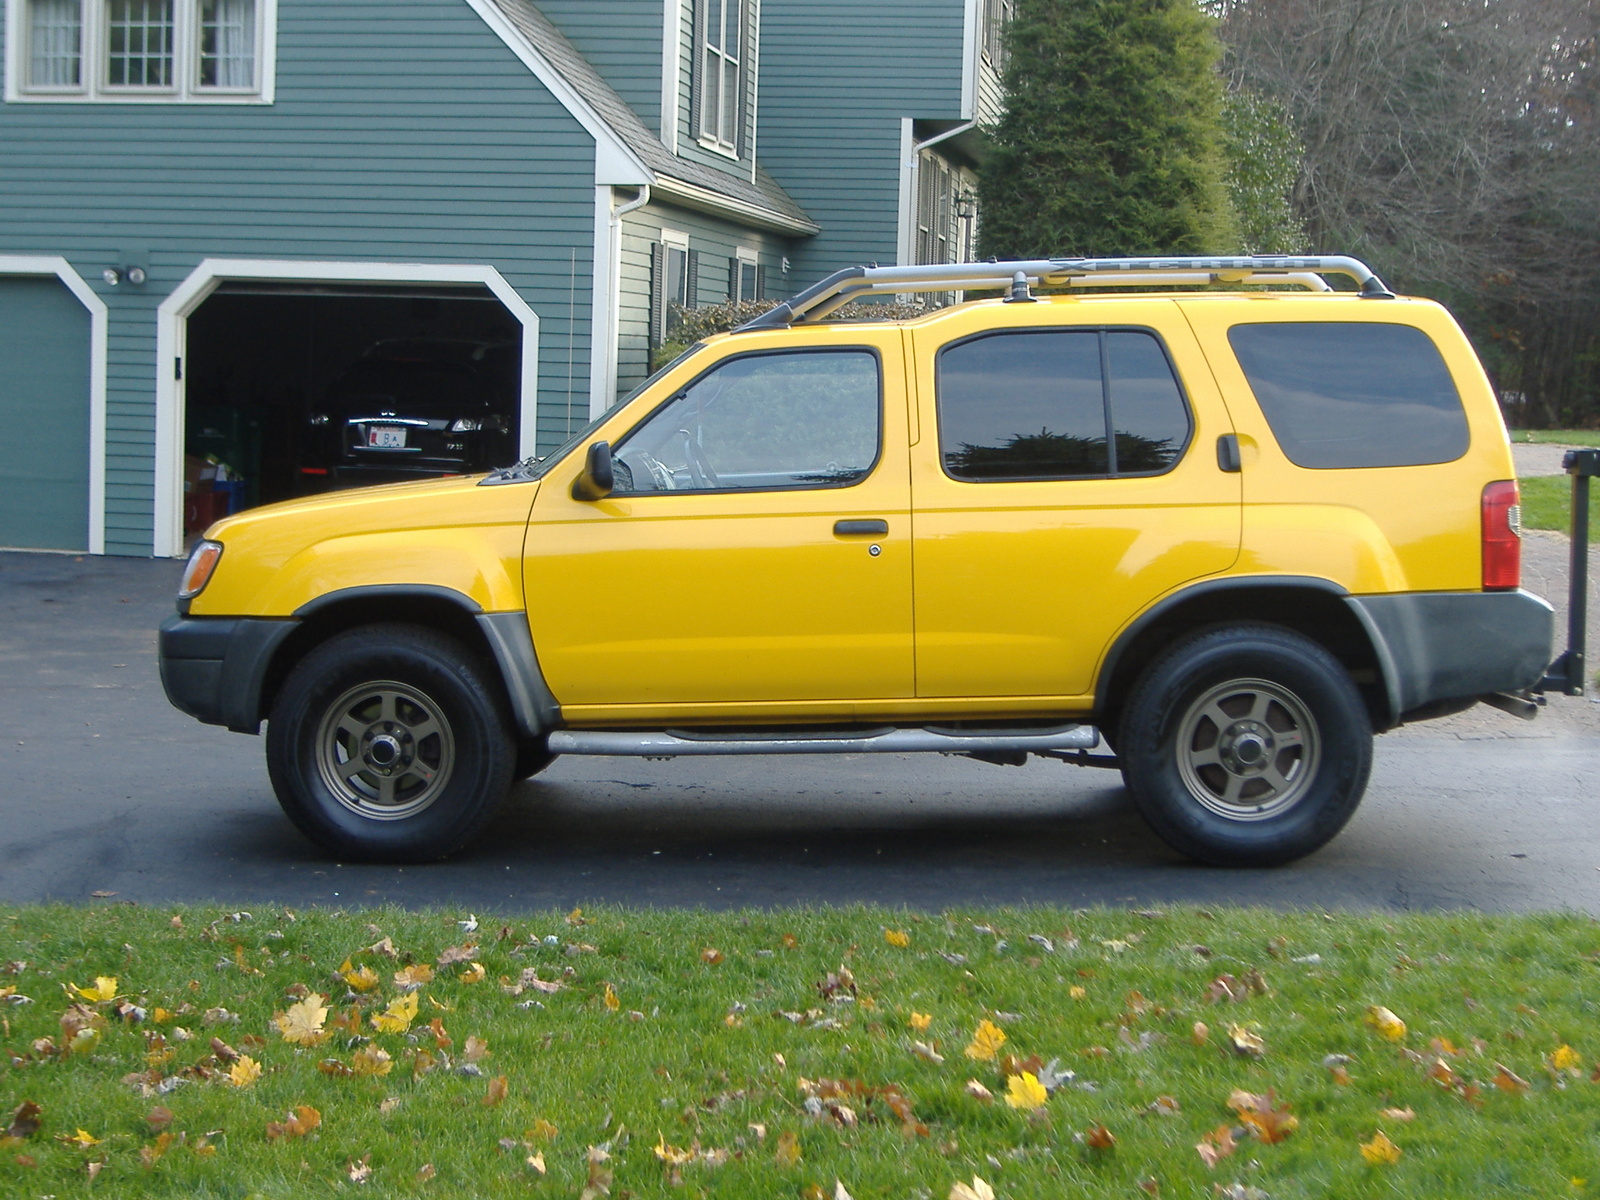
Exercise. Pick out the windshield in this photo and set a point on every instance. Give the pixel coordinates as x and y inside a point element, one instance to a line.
<point>535,468</point>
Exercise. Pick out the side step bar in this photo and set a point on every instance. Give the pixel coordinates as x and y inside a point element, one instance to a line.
<point>672,743</point>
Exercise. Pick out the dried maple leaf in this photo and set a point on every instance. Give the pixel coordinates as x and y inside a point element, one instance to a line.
<point>979,1190</point>
<point>82,1139</point>
<point>898,938</point>
<point>840,1192</point>
<point>398,1016</point>
<point>672,1155</point>
<point>1216,1145</point>
<point>360,979</point>
<point>452,955</point>
<point>158,1118</point>
<point>1397,1114</point>
<point>978,1092</point>
<point>1385,1022</point>
<point>611,1002</point>
<point>498,1087</point>
<point>600,1175</point>
<point>1200,1034</point>
<point>151,1154</point>
<point>384,947</point>
<point>838,985</point>
<point>474,973</point>
<point>1507,1081</point>
<point>987,1039</point>
<point>542,1129</point>
<point>425,1173</point>
<point>299,1123</point>
<point>1077,992</point>
<point>536,1163</point>
<point>1025,1092</point>
<point>1099,1138</point>
<point>301,1024</point>
<point>25,1121</point>
<point>1263,1116</point>
<point>409,979</point>
<point>1163,1106</point>
<point>360,1172</point>
<point>371,1061</point>
<point>919,1021</point>
<point>475,1049</point>
<point>388,1104</point>
<point>1380,1151</point>
<point>787,1151</point>
<point>1245,1043</point>
<point>1565,1058</point>
<point>244,1072</point>
<point>924,1050</point>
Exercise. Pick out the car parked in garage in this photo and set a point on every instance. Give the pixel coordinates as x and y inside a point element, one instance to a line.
<point>418,407</point>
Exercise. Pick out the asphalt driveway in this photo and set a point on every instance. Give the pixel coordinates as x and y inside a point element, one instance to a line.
<point>105,788</point>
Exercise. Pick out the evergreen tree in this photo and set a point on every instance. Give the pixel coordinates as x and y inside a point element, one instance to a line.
<point>1111,142</point>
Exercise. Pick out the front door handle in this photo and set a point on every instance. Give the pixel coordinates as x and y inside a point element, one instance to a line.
<point>861,528</point>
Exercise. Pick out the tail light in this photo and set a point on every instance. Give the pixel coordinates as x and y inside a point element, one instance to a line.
<point>1502,536</point>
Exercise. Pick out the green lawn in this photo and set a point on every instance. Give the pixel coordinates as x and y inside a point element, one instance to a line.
<point>786,1053</point>
<point>1557,437</point>
<point>1547,504</point>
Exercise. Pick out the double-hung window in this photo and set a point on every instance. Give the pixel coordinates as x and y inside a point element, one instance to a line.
<point>184,51</point>
<point>722,45</point>
<point>997,15</point>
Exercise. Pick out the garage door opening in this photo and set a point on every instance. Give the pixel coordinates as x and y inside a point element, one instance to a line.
<point>292,389</point>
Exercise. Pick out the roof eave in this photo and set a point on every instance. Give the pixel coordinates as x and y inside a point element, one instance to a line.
<point>691,195</point>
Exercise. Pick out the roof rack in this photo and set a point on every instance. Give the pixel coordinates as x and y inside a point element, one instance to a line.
<point>840,288</point>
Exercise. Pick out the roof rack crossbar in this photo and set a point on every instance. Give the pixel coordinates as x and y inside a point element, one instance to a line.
<point>840,288</point>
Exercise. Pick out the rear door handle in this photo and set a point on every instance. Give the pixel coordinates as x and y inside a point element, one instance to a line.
<point>861,528</point>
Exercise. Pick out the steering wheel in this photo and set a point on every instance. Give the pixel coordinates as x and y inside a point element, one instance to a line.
<point>694,458</point>
<point>659,475</point>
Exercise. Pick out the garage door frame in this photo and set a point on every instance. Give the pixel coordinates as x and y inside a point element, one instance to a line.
<point>47,265</point>
<point>172,320</point>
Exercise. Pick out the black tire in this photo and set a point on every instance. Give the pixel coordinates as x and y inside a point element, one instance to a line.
<point>1246,746</point>
<point>389,743</point>
<point>533,756</point>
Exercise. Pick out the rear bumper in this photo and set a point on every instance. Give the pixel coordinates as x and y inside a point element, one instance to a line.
<point>214,668</point>
<point>1442,646</point>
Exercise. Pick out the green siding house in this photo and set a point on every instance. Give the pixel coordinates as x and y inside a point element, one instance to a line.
<point>211,209</point>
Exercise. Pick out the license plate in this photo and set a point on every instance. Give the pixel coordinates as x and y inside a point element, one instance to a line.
<point>386,437</point>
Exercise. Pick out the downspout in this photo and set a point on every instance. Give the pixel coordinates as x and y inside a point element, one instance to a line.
<point>913,172</point>
<point>614,268</point>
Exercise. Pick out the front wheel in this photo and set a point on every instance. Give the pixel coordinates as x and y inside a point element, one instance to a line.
<point>1246,745</point>
<point>389,743</point>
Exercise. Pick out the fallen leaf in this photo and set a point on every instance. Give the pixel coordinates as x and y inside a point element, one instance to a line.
<point>1216,1145</point>
<point>1397,1114</point>
<point>978,1092</point>
<point>497,1091</point>
<point>105,988</point>
<point>536,1163</point>
<point>299,1123</point>
<point>25,1121</point>
<point>1263,1116</point>
<point>1385,1022</point>
<point>158,1118</point>
<point>151,1154</point>
<point>600,1175</point>
<point>840,1192</point>
<point>986,1042</point>
<point>1099,1138</point>
<point>898,938</point>
<point>611,1001</point>
<point>672,1155</point>
<point>1200,1034</point>
<point>474,973</point>
<point>543,1130</point>
<point>1380,1151</point>
<point>1163,1106</point>
<point>787,1152</point>
<point>426,1172</point>
<point>361,979</point>
<point>1245,1043</point>
<point>388,1105</point>
<point>301,1024</point>
<point>244,1072</point>
<point>384,947</point>
<point>371,1061</point>
<point>452,955</point>
<point>1077,992</point>
<point>925,1051</point>
<point>475,1049</point>
<point>398,1016</point>
<point>82,1139</point>
<point>576,917</point>
<point>978,1191</point>
<point>919,1021</point>
<point>1565,1058</point>
<point>1025,1092</point>
<point>409,979</point>
<point>360,1172</point>
<point>1506,1081</point>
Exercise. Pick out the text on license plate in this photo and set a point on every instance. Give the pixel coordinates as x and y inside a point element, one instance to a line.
<point>386,437</point>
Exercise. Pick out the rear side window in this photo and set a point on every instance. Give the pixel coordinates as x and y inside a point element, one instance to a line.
<point>1349,394</point>
<point>1059,404</point>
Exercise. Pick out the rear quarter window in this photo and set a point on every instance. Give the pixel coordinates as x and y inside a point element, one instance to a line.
<point>1353,394</point>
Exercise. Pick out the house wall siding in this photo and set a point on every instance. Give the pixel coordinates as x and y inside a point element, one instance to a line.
<point>846,72</point>
<point>402,132</point>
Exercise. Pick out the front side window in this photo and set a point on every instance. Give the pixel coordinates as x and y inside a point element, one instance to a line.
<point>1349,394</point>
<point>1059,404</point>
<point>997,15</point>
<point>795,420</point>
<point>110,50</point>
<point>719,67</point>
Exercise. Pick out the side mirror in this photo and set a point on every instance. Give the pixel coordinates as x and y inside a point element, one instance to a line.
<point>597,479</point>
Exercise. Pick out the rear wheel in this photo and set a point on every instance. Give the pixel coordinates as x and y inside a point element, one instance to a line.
<point>389,743</point>
<point>1246,745</point>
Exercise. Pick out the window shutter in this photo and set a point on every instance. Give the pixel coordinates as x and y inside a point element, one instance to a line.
<point>691,285</point>
<point>658,293</point>
<point>747,17</point>
<point>697,70</point>
<point>733,280</point>
<point>761,283</point>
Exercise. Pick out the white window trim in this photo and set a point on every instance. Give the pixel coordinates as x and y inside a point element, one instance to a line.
<point>746,257</point>
<point>172,322</point>
<point>675,238</point>
<point>186,90</point>
<point>21,264</point>
<point>702,43</point>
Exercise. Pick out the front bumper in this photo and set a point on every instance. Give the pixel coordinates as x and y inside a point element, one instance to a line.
<point>1440,646</point>
<point>215,668</point>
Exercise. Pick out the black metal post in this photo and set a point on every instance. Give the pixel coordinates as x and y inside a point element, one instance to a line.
<point>1566,674</point>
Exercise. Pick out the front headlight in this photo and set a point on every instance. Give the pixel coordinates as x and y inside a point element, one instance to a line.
<point>203,561</point>
<point>467,425</point>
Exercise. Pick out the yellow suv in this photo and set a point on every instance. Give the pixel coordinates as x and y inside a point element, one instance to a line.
<point>1228,533</point>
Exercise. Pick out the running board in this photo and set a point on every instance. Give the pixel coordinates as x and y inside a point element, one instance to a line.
<point>676,742</point>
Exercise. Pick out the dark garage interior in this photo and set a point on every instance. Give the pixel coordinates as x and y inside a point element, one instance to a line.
<point>279,376</point>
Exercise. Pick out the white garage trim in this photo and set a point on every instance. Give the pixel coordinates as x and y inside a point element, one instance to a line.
<point>171,346</point>
<point>22,264</point>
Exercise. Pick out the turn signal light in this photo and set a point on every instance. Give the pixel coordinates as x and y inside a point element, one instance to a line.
<point>1502,536</point>
<point>202,561</point>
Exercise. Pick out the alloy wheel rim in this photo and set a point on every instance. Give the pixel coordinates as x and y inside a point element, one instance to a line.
<point>1248,749</point>
<point>385,750</point>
